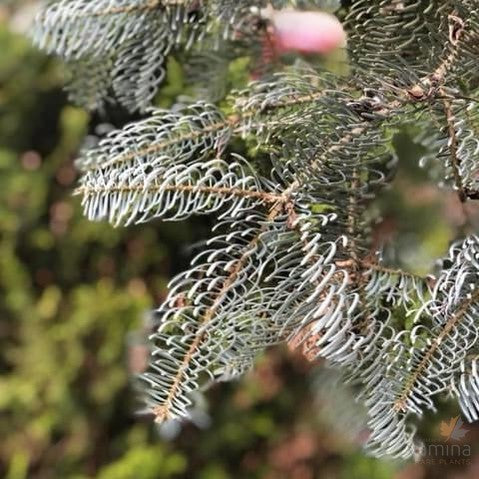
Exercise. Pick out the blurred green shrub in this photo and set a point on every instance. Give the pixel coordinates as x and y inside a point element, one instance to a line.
<point>71,290</point>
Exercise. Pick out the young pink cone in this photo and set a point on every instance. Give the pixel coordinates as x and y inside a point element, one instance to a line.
<point>307,32</point>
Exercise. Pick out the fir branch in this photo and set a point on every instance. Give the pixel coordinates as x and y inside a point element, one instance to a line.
<point>163,410</point>
<point>453,147</point>
<point>412,379</point>
<point>263,196</point>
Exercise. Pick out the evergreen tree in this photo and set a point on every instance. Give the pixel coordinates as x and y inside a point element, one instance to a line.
<point>290,165</point>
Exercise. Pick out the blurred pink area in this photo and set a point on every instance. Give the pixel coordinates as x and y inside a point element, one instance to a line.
<point>308,32</point>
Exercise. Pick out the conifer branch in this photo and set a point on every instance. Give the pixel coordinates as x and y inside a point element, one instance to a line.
<point>163,410</point>
<point>263,196</point>
<point>453,147</point>
<point>415,375</point>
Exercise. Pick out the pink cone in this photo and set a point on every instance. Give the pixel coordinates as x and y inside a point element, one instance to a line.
<point>307,32</point>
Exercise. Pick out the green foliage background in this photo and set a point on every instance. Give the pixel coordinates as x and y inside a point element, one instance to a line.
<point>74,296</point>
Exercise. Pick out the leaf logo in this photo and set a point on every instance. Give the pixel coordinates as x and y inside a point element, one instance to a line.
<point>453,430</point>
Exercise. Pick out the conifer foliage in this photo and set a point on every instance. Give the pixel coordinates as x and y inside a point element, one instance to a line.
<point>291,259</point>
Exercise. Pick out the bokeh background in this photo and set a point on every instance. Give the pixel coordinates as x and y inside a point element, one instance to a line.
<point>75,298</point>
